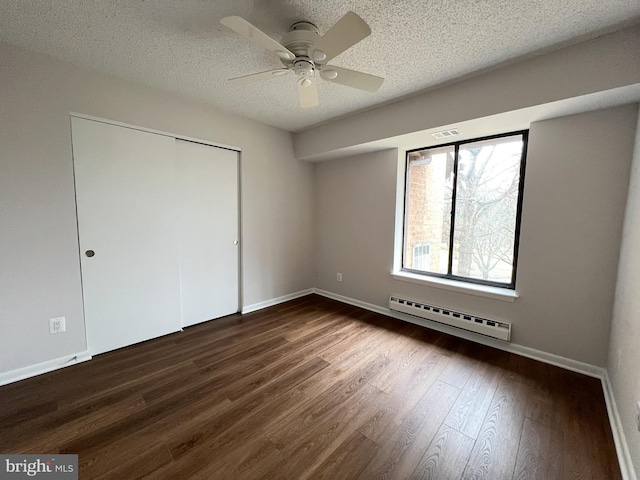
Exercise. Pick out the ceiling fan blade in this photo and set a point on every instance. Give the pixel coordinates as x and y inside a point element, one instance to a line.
<point>257,36</point>
<point>348,31</point>
<point>352,78</point>
<point>308,92</point>
<point>257,77</point>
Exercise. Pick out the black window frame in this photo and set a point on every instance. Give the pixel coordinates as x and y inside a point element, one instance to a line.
<point>449,275</point>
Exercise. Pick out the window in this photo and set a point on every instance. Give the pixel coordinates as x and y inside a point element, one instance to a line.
<point>462,209</point>
<point>421,256</point>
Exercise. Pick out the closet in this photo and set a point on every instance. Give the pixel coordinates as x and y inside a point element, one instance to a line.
<point>158,226</point>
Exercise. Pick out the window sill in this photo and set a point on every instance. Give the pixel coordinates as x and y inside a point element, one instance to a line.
<point>497,293</point>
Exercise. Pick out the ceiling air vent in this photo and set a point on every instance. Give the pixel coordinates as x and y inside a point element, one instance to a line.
<point>446,133</point>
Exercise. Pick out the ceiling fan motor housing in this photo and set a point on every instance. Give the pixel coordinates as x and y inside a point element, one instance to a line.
<point>304,67</point>
<point>298,39</point>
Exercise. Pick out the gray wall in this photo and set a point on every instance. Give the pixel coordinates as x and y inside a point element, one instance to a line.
<point>39,264</point>
<point>575,193</point>
<point>624,351</point>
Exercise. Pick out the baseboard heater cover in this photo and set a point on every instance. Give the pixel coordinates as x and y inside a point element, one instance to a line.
<point>465,321</point>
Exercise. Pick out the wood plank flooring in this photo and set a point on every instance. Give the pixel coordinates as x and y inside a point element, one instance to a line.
<point>313,389</point>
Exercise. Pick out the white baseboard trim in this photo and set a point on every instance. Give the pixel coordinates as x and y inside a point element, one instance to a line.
<point>276,301</point>
<point>622,449</point>
<point>44,367</point>
<point>550,358</point>
<point>619,438</point>
<point>57,363</point>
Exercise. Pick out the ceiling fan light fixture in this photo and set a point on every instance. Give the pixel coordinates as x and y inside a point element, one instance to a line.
<point>330,74</point>
<point>319,55</point>
<point>284,55</point>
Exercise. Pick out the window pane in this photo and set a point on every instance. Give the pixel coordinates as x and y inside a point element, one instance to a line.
<point>421,256</point>
<point>486,205</point>
<point>428,210</point>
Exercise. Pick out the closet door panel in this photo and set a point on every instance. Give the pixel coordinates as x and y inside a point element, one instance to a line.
<point>208,222</point>
<point>125,192</point>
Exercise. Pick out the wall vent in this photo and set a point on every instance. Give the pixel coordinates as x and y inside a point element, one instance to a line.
<point>465,321</point>
<point>446,133</point>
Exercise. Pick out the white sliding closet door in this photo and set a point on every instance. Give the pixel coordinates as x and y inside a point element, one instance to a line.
<point>125,191</point>
<point>208,231</point>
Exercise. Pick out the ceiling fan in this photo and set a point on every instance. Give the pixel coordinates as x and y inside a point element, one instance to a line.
<point>304,52</point>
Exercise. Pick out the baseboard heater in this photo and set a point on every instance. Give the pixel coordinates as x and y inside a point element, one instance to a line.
<point>465,321</point>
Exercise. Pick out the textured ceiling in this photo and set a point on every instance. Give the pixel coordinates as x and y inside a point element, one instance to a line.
<point>180,46</point>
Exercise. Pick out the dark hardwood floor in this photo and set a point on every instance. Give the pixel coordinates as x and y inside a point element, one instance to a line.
<point>313,389</point>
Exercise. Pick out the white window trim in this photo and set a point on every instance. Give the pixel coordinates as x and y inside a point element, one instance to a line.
<point>478,290</point>
<point>497,293</point>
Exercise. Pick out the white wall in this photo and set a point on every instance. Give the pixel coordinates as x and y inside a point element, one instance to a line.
<point>575,192</point>
<point>39,265</point>
<point>624,350</point>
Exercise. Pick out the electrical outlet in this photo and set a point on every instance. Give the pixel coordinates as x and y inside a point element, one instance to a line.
<point>339,277</point>
<point>638,416</point>
<point>57,325</point>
